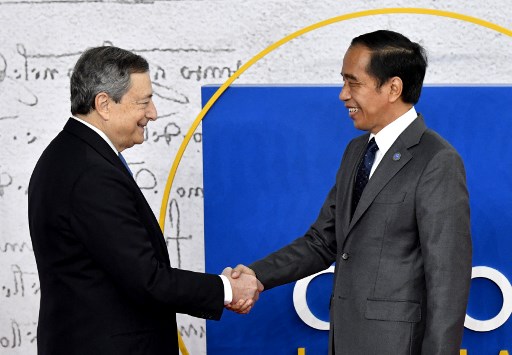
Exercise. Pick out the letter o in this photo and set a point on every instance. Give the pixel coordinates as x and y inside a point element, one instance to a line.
<point>4,342</point>
<point>506,310</point>
<point>301,304</point>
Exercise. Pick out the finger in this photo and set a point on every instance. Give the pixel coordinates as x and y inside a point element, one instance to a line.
<point>247,304</point>
<point>237,271</point>
<point>228,307</point>
<point>246,307</point>
<point>237,306</point>
<point>245,311</point>
<point>260,286</point>
<point>227,271</point>
<point>244,270</point>
<point>232,306</point>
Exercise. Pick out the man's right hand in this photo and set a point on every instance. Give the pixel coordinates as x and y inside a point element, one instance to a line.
<point>246,288</point>
<point>242,269</point>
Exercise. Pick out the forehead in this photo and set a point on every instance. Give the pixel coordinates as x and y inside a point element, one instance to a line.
<point>140,86</point>
<point>356,60</point>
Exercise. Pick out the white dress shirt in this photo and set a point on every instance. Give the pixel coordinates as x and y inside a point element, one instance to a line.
<point>388,135</point>
<point>99,131</point>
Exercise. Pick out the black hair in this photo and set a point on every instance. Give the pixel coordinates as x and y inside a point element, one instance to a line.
<point>393,54</point>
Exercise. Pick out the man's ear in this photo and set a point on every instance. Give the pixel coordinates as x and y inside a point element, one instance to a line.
<point>102,103</point>
<point>395,88</point>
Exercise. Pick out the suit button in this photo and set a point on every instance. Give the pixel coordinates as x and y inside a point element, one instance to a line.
<point>345,256</point>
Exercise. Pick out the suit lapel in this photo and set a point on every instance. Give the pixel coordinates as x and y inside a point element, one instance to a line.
<point>388,167</point>
<point>98,144</point>
<point>95,141</point>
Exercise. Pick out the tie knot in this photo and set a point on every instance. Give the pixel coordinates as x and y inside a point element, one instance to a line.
<point>372,146</point>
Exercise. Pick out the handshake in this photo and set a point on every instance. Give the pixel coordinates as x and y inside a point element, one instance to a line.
<point>245,286</point>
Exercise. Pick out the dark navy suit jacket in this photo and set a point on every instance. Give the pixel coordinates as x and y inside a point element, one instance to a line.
<point>107,286</point>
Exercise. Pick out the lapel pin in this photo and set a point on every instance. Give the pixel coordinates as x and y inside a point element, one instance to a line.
<point>397,156</point>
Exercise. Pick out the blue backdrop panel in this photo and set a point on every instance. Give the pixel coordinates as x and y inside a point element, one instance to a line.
<point>270,157</point>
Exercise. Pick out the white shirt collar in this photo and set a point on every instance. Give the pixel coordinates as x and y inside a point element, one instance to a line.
<point>388,135</point>
<point>100,132</point>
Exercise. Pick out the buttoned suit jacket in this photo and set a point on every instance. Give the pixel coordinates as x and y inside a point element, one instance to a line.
<point>403,261</point>
<point>107,285</point>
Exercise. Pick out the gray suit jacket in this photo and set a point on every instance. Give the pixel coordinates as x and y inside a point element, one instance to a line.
<point>403,261</point>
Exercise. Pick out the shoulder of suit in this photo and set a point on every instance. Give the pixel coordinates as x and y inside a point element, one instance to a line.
<point>436,141</point>
<point>362,139</point>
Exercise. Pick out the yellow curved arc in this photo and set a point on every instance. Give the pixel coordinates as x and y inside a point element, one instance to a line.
<point>243,68</point>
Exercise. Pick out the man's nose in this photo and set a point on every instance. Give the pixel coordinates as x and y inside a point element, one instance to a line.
<point>344,93</point>
<point>151,111</point>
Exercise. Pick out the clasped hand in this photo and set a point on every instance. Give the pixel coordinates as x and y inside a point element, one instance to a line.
<point>246,288</point>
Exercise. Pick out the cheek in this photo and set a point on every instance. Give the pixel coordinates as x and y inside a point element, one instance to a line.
<point>371,105</point>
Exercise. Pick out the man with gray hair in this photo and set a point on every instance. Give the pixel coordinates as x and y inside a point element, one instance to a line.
<point>107,285</point>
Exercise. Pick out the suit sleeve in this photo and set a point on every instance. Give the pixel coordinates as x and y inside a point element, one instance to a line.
<point>312,253</point>
<point>106,217</point>
<point>444,231</point>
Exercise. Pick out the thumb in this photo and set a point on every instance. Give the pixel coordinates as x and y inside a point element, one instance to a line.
<point>241,269</point>
<point>235,273</point>
<point>227,271</point>
<point>260,286</point>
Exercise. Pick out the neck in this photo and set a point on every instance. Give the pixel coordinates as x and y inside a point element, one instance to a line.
<point>397,112</point>
<point>92,119</point>
<point>392,115</point>
<point>98,122</point>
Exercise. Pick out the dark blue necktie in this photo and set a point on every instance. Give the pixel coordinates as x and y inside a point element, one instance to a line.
<point>125,163</point>
<point>363,172</point>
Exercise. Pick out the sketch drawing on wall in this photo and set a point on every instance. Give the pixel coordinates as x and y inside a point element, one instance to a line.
<point>189,44</point>
<point>13,94</point>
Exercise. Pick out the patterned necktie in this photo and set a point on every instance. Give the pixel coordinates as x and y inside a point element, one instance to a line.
<point>125,163</point>
<point>363,172</point>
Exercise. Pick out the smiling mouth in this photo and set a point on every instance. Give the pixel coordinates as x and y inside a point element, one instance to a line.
<point>353,110</point>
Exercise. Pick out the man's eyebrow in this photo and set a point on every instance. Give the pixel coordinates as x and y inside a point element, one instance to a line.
<point>348,76</point>
<point>148,96</point>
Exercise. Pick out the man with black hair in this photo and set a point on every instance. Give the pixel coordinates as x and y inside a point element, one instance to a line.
<point>396,222</point>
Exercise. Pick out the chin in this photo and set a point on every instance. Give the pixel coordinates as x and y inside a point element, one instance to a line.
<point>358,126</point>
<point>138,140</point>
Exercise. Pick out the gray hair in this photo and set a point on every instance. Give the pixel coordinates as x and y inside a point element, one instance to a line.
<point>103,69</point>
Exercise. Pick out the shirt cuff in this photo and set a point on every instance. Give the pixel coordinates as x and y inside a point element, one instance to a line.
<point>228,292</point>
